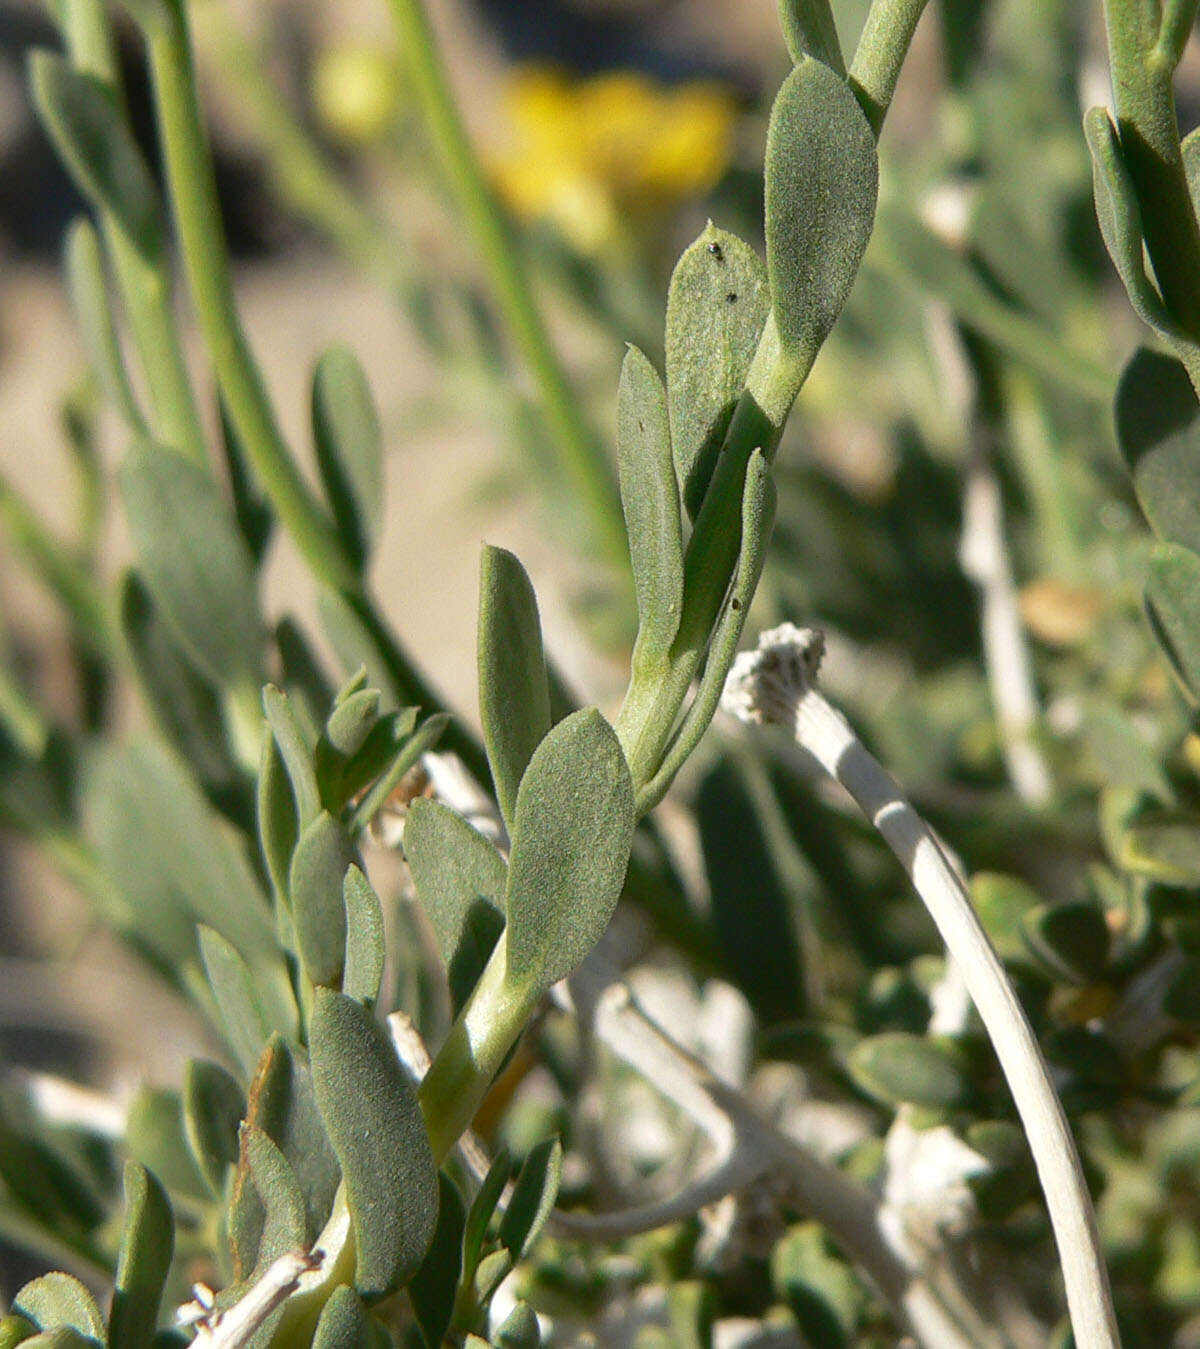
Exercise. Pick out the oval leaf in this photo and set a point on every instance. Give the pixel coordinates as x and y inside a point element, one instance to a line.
<point>213,1107</point>
<point>1158,431</point>
<point>532,1198</point>
<point>374,1122</point>
<point>59,1300</point>
<point>459,878</point>
<point>433,1287</point>
<point>317,887</point>
<point>88,288</point>
<point>349,448</point>
<point>571,838</point>
<point>514,692</point>
<point>716,308</point>
<point>283,1105</point>
<point>1173,607</point>
<point>1120,219</point>
<point>344,1323</point>
<point>900,1068</point>
<point>822,177</point>
<point>147,1244</point>
<point>82,118</point>
<point>650,499</point>
<point>194,562</point>
<point>365,949</point>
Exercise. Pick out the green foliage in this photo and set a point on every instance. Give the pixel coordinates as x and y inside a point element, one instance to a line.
<point>236,842</point>
<point>514,691</point>
<point>571,838</point>
<point>370,1110</point>
<point>717,305</point>
<point>822,176</point>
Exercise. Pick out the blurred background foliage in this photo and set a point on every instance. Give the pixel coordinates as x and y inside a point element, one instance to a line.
<point>966,395</point>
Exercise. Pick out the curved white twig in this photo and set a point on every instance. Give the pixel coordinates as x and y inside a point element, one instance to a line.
<point>777,684</point>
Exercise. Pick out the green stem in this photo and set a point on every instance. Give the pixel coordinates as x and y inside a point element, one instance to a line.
<point>474,1051</point>
<point>1142,71</point>
<point>144,282</point>
<point>583,458</point>
<point>882,47</point>
<point>206,263</point>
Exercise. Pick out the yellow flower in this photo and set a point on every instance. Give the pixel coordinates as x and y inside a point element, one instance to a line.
<point>356,92</point>
<point>594,156</point>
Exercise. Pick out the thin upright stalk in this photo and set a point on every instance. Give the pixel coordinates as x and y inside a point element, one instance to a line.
<point>882,47</point>
<point>144,281</point>
<point>776,684</point>
<point>583,458</point>
<point>1143,53</point>
<point>206,263</point>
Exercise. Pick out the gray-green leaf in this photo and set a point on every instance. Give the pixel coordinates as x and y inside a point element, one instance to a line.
<point>459,878</point>
<point>571,838</point>
<point>532,1198</point>
<point>716,308</point>
<point>146,1247</point>
<point>1120,219</point>
<point>59,1299</point>
<point>349,449</point>
<point>822,177</point>
<point>82,118</point>
<point>283,1105</point>
<point>285,1220</point>
<point>1173,606</point>
<point>344,1323</point>
<point>318,875</point>
<point>365,950</point>
<point>252,1003</point>
<point>650,500</point>
<point>900,1068</point>
<point>808,30</point>
<point>1158,431</point>
<point>514,693</point>
<point>433,1287</point>
<point>195,562</point>
<point>90,300</point>
<point>375,1124</point>
<point>213,1107</point>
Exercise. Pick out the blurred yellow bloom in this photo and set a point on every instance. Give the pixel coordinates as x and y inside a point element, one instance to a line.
<point>357,92</point>
<point>591,155</point>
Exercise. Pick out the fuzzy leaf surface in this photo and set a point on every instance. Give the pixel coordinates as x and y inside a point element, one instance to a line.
<point>194,562</point>
<point>375,1125</point>
<point>147,1244</point>
<point>822,179</point>
<point>716,308</point>
<point>514,692</point>
<point>571,839</point>
<point>460,879</point>
<point>650,500</point>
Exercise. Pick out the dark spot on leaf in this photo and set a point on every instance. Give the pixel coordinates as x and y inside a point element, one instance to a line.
<point>717,252</point>
<point>732,297</point>
<point>641,425</point>
<point>735,604</point>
